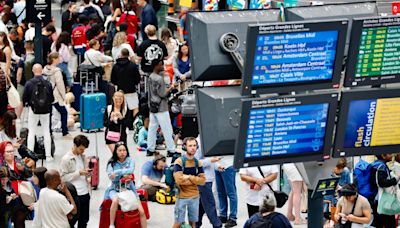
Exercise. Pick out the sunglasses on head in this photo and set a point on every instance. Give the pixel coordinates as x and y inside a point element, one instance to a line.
<point>120,143</point>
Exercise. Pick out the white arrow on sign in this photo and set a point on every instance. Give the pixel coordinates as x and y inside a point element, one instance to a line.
<point>40,16</point>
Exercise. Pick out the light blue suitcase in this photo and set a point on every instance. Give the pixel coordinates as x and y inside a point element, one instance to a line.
<point>93,107</point>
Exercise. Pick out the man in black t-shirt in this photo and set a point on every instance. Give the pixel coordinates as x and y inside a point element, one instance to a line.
<point>151,49</point>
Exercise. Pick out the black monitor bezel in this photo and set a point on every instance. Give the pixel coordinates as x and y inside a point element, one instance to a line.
<point>240,160</point>
<point>315,25</point>
<point>354,46</point>
<point>346,98</point>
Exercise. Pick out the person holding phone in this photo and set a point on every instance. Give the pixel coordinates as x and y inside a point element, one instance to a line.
<point>73,170</point>
<point>353,210</point>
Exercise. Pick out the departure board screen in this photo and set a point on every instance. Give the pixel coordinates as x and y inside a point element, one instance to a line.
<point>283,57</point>
<point>287,128</point>
<point>368,123</point>
<point>374,56</point>
<point>294,57</point>
<point>374,122</point>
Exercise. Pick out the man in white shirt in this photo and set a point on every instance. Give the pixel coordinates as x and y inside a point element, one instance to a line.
<point>73,170</point>
<point>53,209</point>
<point>20,10</point>
<point>257,180</point>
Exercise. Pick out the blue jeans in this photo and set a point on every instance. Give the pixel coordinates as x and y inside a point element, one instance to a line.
<point>207,205</point>
<point>64,68</point>
<point>226,187</point>
<point>64,117</point>
<point>162,119</point>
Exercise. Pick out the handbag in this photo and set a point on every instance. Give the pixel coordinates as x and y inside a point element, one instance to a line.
<point>113,135</point>
<point>27,193</point>
<point>12,94</point>
<point>280,197</point>
<point>347,224</point>
<point>128,201</point>
<point>25,152</point>
<point>388,204</point>
<point>98,69</point>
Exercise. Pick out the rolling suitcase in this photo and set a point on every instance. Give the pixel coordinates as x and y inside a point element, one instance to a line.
<point>92,109</point>
<point>94,164</point>
<point>130,219</point>
<point>143,200</point>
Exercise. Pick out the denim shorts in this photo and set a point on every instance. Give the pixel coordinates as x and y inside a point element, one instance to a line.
<point>192,205</point>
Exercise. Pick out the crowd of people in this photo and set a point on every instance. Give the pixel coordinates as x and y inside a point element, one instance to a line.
<point>144,66</point>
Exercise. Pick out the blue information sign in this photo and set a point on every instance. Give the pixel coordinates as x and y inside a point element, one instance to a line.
<point>294,57</point>
<point>286,130</point>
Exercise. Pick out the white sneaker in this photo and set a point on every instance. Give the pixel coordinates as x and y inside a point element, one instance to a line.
<point>112,226</point>
<point>49,159</point>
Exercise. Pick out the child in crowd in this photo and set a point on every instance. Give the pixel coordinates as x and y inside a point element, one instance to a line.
<point>143,133</point>
<point>7,196</point>
<point>73,115</point>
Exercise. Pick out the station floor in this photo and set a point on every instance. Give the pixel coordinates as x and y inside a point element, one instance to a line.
<point>160,215</point>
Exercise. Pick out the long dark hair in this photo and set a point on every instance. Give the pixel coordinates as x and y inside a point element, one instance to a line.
<point>7,124</point>
<point>114,158</point>
<point>180,51</point>
<point>64,38</point>
<point>115,4</point>
<point>5,40</point>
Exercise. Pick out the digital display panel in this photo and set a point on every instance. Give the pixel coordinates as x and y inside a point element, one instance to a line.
<point>374,56</point>
<point>376,122</point>
<point>369,122</point>
<point>296,56</point>
<point>285,129</point>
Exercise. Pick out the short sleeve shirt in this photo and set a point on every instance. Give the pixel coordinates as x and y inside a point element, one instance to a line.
<point>52,209</point>
<point>151,50</point>
<point>361,205</point>
<point>148,170</point>
<point>254,197</point>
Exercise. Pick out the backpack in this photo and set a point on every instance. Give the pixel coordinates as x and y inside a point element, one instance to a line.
<point>264,222</point>
<point>362,176</point>
<point>169,171</point>
<point>41,98</point>
<point>137,125</point>
<point>87,11</point>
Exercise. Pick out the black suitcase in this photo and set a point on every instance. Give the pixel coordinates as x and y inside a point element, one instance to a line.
<point>190,127</point>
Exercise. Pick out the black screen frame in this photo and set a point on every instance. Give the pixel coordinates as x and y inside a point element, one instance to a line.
<point>240,161</point>
<point>346,98</point>
<point>354,46</point>
<point>315,25</point>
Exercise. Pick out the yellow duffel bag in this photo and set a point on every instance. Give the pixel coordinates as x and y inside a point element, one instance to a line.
<point>165,197</point>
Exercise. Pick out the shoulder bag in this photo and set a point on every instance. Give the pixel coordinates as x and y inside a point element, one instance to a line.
<point>388,204</point>
<point>113,135</point>
<point>281,197</point>
<point>12,94</point>
<point>347,224</point>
